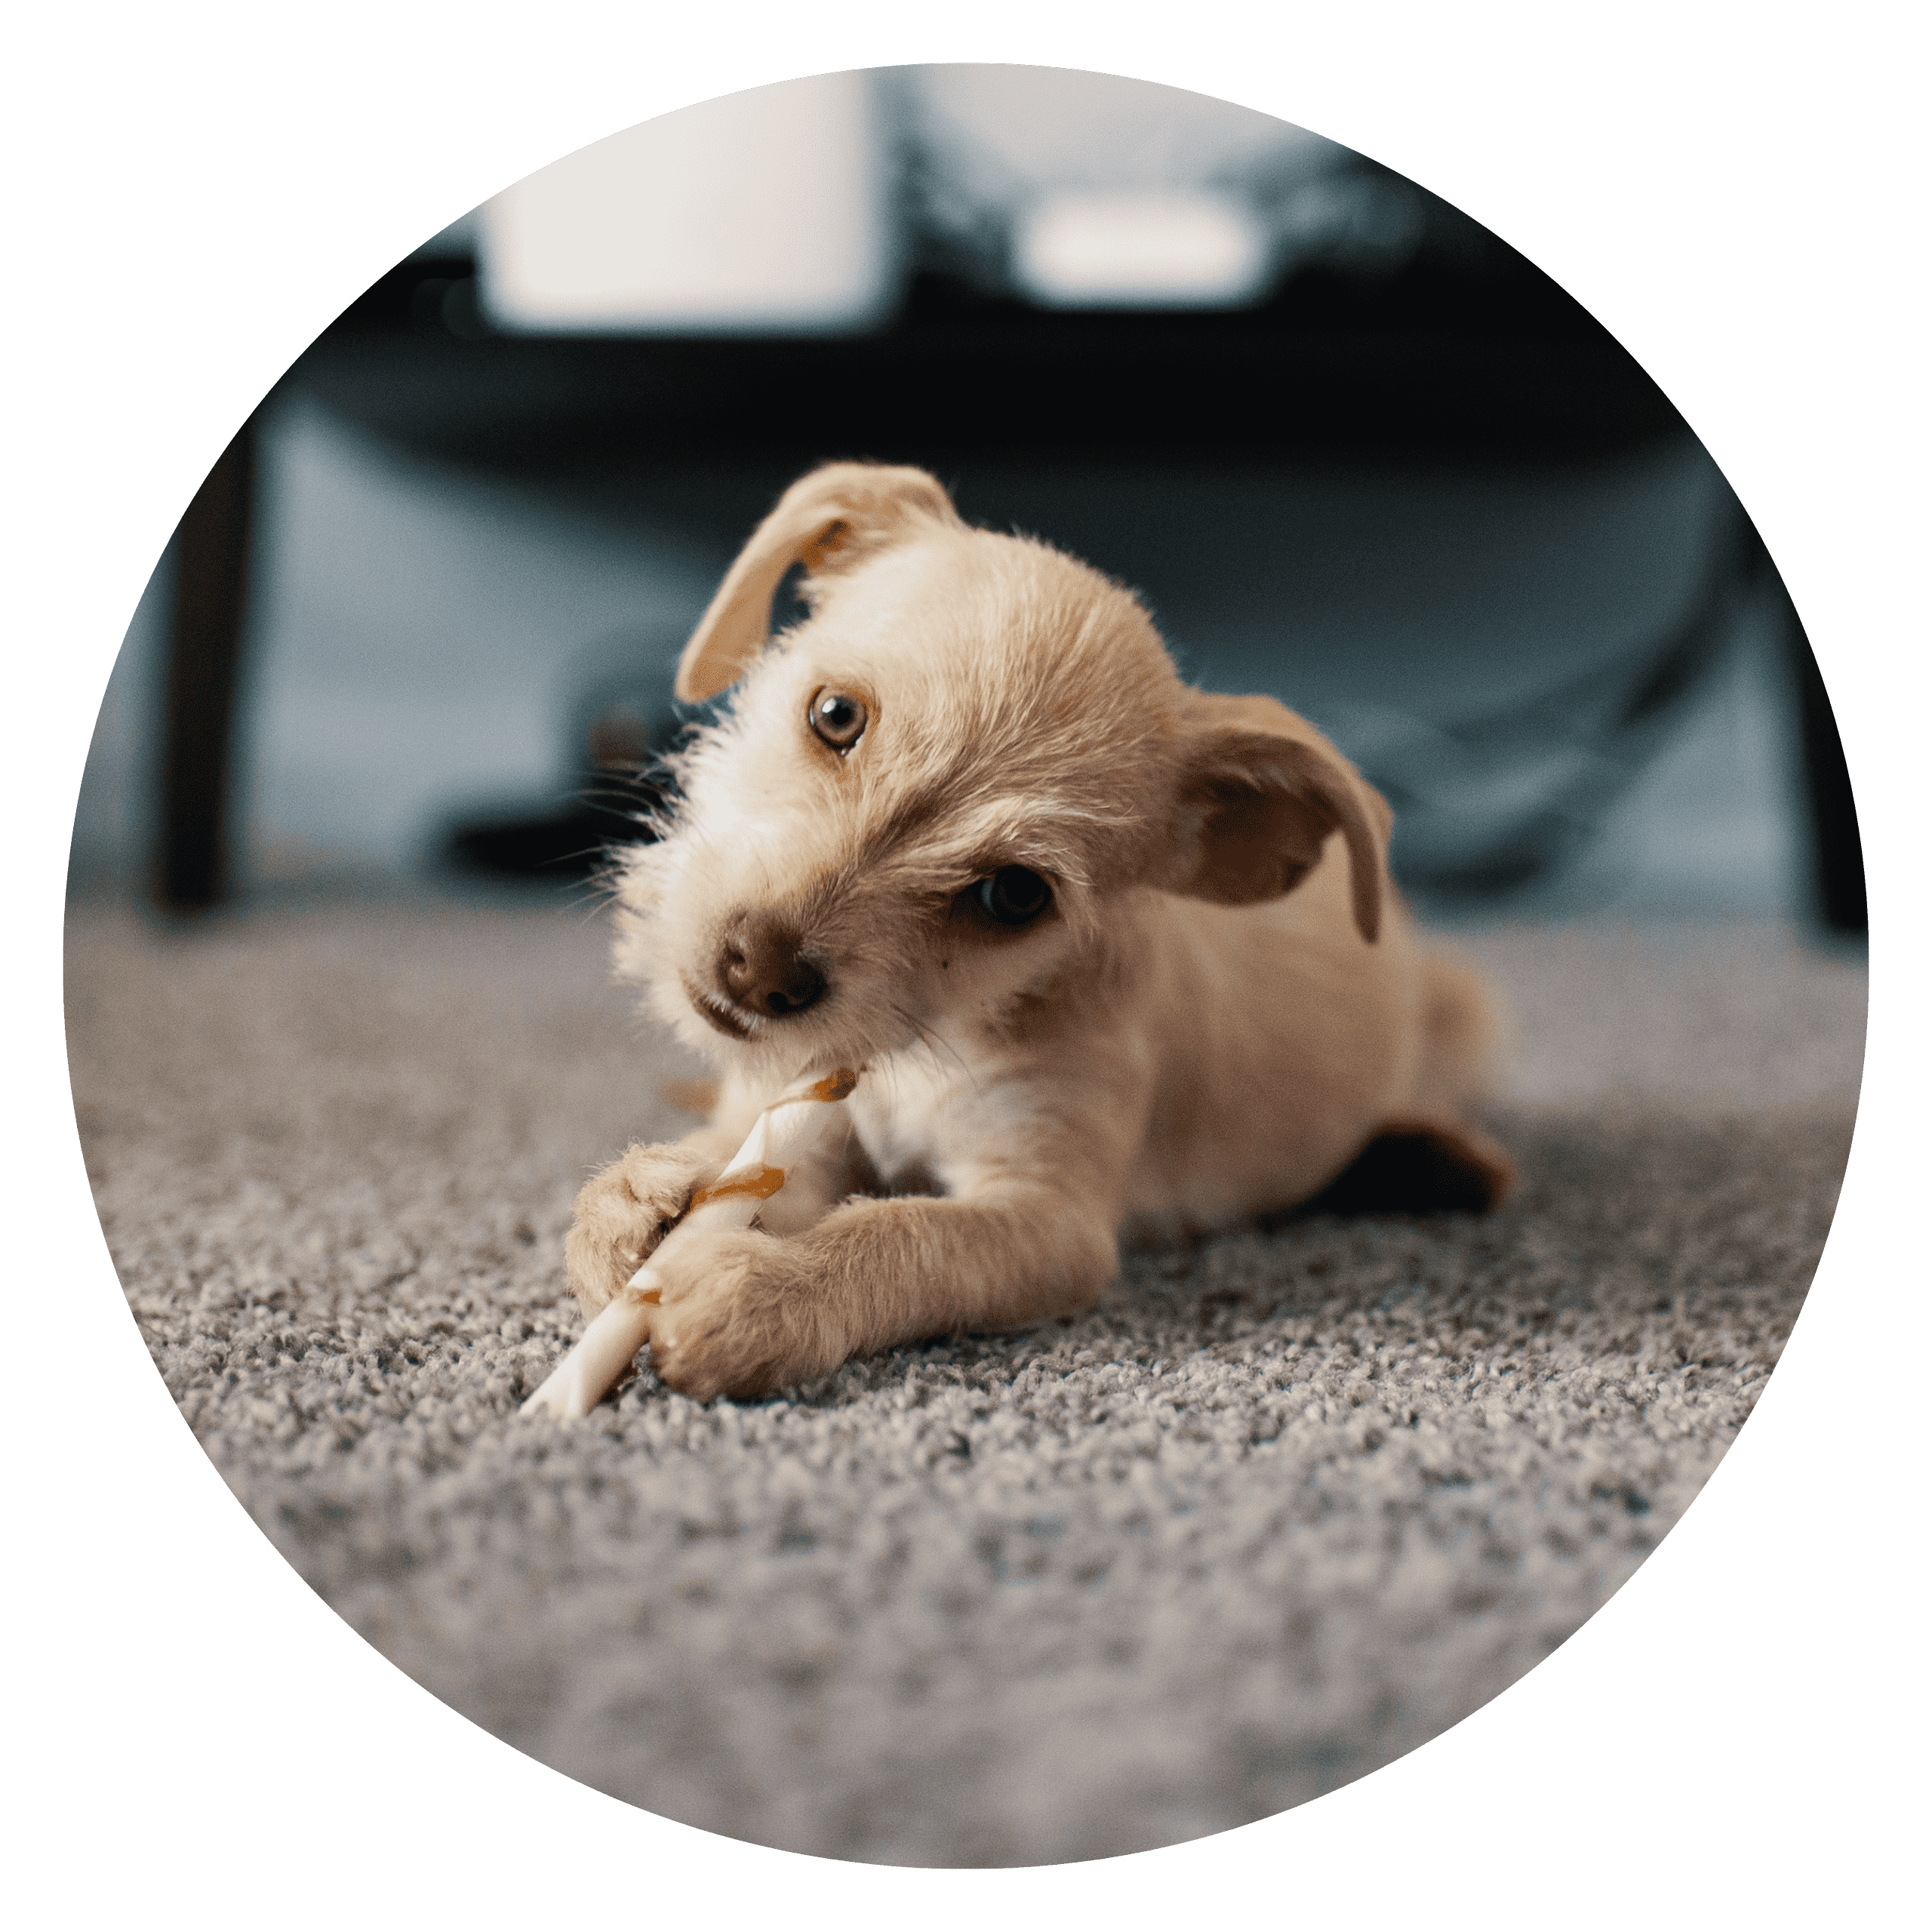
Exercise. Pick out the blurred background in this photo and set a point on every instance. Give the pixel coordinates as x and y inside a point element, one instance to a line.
<point>418,628</point>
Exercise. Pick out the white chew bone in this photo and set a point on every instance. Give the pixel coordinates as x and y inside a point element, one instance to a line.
<point>794,1125</point>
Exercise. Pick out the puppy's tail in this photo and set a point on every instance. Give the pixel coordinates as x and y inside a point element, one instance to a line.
<point>1468,1035</point>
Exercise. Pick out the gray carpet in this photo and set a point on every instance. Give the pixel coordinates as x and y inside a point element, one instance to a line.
<point>1283,1508</point>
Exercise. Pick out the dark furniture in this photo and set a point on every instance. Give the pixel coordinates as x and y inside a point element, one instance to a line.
<point>1472,352</point>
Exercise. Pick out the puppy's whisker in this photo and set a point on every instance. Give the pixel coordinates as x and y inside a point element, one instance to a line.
<point>922,1034</point>
<point>594,904</point>
<point>935,1043</point>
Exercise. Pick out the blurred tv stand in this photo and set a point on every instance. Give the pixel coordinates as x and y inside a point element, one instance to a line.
<point>1488,361</point>
<point>1427,361</point>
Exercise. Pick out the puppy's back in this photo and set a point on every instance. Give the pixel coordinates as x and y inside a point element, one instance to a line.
<point>1466,1031</point>
<point>1282,1039</point>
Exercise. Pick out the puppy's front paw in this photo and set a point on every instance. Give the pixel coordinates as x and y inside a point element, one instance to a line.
<point>622,1214</point>
<point>740,1314</point>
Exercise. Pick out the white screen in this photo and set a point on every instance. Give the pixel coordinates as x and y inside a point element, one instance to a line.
<point>762,211</point>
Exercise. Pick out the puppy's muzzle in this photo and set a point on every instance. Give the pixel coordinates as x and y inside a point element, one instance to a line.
<point>762,968</point>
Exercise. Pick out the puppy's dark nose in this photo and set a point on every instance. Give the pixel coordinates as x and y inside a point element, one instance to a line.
<point>761,967</point>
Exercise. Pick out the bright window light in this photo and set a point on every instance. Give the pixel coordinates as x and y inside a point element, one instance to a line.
<point>764,211</point>
<point>1088,249</point>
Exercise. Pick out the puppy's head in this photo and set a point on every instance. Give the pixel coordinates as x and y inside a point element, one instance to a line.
<point>924,796</point>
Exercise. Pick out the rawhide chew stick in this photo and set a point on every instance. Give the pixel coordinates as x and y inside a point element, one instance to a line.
<point>793,1127</point>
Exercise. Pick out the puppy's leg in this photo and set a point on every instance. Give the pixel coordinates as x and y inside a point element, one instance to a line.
<point>743,1313</point>
<point>1422,1164</point>
<point>623,1212</point>
<point>1036,1168</point>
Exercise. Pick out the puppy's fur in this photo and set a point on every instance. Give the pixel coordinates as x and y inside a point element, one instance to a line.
<point>1221,1006</point>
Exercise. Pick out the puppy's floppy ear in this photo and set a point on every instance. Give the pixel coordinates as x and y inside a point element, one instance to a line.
<point>827,520</point>
<point>1260,790</point>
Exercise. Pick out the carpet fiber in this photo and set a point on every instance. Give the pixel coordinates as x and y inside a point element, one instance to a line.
<point>1285,1507</point>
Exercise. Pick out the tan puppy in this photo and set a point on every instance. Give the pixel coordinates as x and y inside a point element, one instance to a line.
<point>1111,952</point>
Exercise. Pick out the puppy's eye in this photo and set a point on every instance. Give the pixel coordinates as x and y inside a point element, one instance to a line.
<point>838,717</point>
<point>1014,895</point>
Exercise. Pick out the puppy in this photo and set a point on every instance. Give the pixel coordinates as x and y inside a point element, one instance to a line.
<point>1113,953</point>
